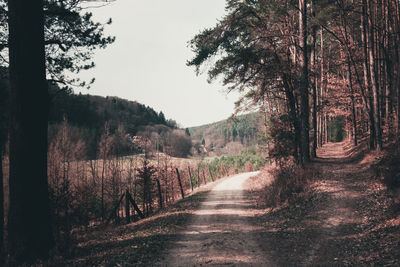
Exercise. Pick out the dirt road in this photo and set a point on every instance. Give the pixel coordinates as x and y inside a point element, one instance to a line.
<point>348,218</point>
<point>219,232</point>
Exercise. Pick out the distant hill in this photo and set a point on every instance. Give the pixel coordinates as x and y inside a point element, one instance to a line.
<point>89,114</point>
<point>231,135</point>
<point>93,111</point>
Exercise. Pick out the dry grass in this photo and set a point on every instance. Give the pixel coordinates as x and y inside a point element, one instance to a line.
<point>280,184</point>
<point>290,184</point>
<point>138,243</point>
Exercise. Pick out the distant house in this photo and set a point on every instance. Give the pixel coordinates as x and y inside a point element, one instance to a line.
<point>139,142</point>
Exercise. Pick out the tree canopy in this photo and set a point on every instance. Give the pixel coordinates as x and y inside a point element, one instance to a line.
<point>71,37</point>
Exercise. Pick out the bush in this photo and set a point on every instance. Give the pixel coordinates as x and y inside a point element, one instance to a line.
<point>282,138</point>
<point>180,144</point>
<point>388,167</point>
<point>240,163</point>
<point>290,184</point>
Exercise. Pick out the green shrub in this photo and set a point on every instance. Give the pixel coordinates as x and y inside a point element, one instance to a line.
<point>241,162</point>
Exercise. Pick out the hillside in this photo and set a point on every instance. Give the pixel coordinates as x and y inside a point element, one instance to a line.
<point>230,135</point>
<point>93,111</point>
<point>88,114</point>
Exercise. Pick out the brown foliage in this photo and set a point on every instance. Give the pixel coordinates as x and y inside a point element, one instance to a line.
<point>388,167</point>
<point>179,143</point>
<point>290,183</point>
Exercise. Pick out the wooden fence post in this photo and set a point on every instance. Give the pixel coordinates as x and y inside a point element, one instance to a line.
<point>115,209</point>
<point>127,208</point>
<point>211,175</point>
<point>160,200</point>
<point>180,183</point>
<point>190,177</point>
<point>135,206</point>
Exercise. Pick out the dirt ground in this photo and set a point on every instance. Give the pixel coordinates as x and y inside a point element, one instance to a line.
<point>347,218</point>
<point>219,232</point>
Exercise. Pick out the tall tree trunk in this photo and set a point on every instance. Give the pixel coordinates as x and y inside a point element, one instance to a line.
<point>314,86</point>
<point>388,67</point>
<point>1,205</point>
<point>353,108</point>
<point>366,70</point>
<point>373,76</point>
<point>293,115</point>
<point>322,86</point>
<point>303,64</point>
<point>29,221</point>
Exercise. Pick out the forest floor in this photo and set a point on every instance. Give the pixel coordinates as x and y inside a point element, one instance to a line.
<point>219,232</point>
<point>347,218</point>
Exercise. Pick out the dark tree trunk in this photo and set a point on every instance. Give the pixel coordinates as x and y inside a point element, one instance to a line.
<point>353,107</point>
<point>374,81</point>
<point>322,86</point>
<point>29,221</point>
<point>3,139</point>
<point>314,87</point>
<point>303,63</point>
<point>364,40</point>
<point>1,206</point>
<point>293,115</point>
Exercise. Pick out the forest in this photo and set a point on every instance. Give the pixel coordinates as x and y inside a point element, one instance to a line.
<point>230,135</point>
<point>317,60</point>
<point>311,178</point>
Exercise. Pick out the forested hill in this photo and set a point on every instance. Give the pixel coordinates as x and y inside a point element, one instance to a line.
<point>93,111</point>
<point>230,134</point>
<point>88,115</point>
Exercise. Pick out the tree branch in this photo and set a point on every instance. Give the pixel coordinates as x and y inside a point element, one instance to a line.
<point>3,46</point>
<point>56,42</point>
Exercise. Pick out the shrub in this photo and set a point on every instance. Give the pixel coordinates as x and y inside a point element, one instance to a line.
<point>179,142</point>
<point>388,167</point>
<point>282,138</point>
<point>290,184</point>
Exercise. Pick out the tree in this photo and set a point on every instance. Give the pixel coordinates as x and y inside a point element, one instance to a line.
<point>146,173</point>
<point>256,49</point>
<point>303,65</point>
<point>3,139</point>
<point>29,222</point>
<point>187,132</point>
<point>71,37</point>
<point>179,143</point>
<point>161,118</point>
<point>59,28</point>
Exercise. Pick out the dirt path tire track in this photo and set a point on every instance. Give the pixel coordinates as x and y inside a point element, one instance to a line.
<point>219,233</point>
<point>351,204</point>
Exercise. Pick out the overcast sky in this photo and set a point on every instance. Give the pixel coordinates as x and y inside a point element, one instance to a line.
<point>147,62</point>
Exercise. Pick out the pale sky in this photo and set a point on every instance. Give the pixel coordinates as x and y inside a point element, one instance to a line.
<point>147,62</point>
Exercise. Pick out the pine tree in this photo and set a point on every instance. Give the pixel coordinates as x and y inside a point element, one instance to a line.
<point>29,222</point>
